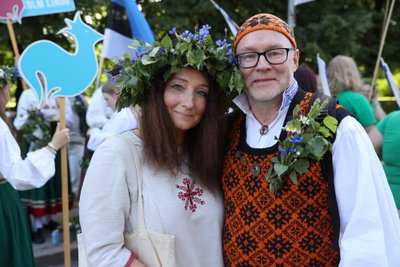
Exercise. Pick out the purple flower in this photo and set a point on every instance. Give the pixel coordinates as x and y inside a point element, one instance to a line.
<point>296,139</point>
<point>292,150</point>
<point>172,31</point>
<point>232,60</point>
<point>283,151</point>
<point>186,34</point>
<point>220,43</point>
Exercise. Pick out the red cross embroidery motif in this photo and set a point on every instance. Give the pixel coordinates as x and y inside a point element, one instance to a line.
<point>190,194</point>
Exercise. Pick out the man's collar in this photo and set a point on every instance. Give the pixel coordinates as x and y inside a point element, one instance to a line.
<point>243,103</point>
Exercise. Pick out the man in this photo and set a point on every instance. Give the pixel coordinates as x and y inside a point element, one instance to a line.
<point>340,216</point>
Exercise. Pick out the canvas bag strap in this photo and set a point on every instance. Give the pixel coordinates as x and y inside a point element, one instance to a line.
<point>136,159</point>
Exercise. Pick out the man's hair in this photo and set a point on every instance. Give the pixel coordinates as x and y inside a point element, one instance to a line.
<point>202,147</point>
<point>343,74</point>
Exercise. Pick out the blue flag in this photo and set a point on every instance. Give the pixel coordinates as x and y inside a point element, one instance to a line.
<point>124,22</point>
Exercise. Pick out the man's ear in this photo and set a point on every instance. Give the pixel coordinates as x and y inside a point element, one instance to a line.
<point>296,59</point>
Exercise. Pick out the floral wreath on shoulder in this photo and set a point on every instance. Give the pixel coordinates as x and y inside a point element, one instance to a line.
<point>188,49</point>
<point>7,75</point>
<point>306,140</point>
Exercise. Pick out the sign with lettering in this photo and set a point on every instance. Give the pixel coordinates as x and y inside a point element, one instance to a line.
<point>44,7</point>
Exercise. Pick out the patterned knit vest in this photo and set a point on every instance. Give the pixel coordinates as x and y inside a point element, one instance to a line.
<point>290,228</point>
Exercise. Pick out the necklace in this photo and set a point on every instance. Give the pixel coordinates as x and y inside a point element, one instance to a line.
<point>264,130</point>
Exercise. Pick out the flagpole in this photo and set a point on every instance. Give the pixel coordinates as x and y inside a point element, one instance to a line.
<point>291,16</point>
<point>386,26</point>
<point>14,46</point>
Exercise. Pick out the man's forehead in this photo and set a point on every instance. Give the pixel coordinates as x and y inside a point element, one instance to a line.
<point>263,38</point>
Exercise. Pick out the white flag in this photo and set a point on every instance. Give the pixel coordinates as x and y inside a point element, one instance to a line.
<point>391,82</point>
<point>299,2</point>
<point>323,75</point>
<point>232,25</point>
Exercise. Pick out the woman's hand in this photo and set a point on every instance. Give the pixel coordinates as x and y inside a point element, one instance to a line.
<point>60,137</point>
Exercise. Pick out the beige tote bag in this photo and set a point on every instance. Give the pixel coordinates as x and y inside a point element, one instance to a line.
<point>151,248</point>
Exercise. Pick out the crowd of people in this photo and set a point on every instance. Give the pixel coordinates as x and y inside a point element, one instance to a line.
<point>289,177</point>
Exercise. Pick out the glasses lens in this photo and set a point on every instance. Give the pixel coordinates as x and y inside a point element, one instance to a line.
<point>248,59</point>
<point>277,56</point>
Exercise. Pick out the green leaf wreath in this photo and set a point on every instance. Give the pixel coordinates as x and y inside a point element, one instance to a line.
<point>36,129</point>
<point>173,52</point>
<point>307,140</point>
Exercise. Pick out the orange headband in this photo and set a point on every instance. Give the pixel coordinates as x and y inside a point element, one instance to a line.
<point>264,21</point>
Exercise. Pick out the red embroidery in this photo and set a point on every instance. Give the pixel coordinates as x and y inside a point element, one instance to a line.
<point>190,194</point>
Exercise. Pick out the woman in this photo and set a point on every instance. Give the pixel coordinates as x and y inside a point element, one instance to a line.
<point>44,202</point>
<point>20,174</point>
<point>179,143</point>
<point>386,141</point>
<point>345,82</point>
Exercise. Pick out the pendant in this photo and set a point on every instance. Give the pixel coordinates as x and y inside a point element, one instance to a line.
<point>264,130</point>
<point>255,169</point>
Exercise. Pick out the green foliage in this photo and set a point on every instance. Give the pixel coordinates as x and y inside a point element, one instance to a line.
<point>327,27</point>
<point>36,129</point>
<point>307,140</point>
<point>196,50</point>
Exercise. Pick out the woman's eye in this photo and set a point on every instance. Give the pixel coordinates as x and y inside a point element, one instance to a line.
<point>203,94</point>
<point>177,86</point>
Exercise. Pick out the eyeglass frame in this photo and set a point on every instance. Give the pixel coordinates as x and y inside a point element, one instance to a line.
<point>265,56</point>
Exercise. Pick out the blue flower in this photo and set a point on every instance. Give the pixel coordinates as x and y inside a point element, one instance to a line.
<point>220,43</point>
<point>283,151</point>
<point>204,31</point>
<point>186,34</point>
<point>172,31</point>
<point>296,139</point>
<point>232,60</point>
<point>292,150</point>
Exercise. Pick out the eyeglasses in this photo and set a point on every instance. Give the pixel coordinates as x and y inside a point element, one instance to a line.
<point>274,57</point>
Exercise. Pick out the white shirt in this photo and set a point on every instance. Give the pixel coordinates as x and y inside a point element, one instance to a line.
<point>121,121</point>
<point>34,171</point>
<point>369,222</point>
<point>98,113</point>
<point>109,197</point>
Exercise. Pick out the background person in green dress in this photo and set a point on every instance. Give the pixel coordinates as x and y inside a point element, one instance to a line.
<point>386,140</point>
<point>345,82</point>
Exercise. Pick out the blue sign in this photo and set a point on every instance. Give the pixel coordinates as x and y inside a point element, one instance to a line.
<point>43,7</point>
<point>53,72</point>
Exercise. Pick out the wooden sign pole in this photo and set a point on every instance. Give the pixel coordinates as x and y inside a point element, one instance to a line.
<point>64,195</point>
<point>14,46</point>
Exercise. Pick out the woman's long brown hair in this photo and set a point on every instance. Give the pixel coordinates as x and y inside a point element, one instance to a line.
<point>202,147</point>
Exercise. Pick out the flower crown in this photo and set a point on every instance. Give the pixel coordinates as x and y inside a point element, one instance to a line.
<point>7,75</point>
<point>197,50</point>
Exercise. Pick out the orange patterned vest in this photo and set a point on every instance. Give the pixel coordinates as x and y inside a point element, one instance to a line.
<point>290,228</point>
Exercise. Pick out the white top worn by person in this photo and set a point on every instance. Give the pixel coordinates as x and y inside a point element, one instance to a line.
<point>120,121</point>
<point>98,113</point>
<point>163,208</point>
<point>33,171</point>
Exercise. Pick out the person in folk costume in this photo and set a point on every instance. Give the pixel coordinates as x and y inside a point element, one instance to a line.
<point>34,125</point>
<point>17,173</point>
<point>288,200</point>
<point>180,147</point>
<point>345,83</point>
<point>76,147</point>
